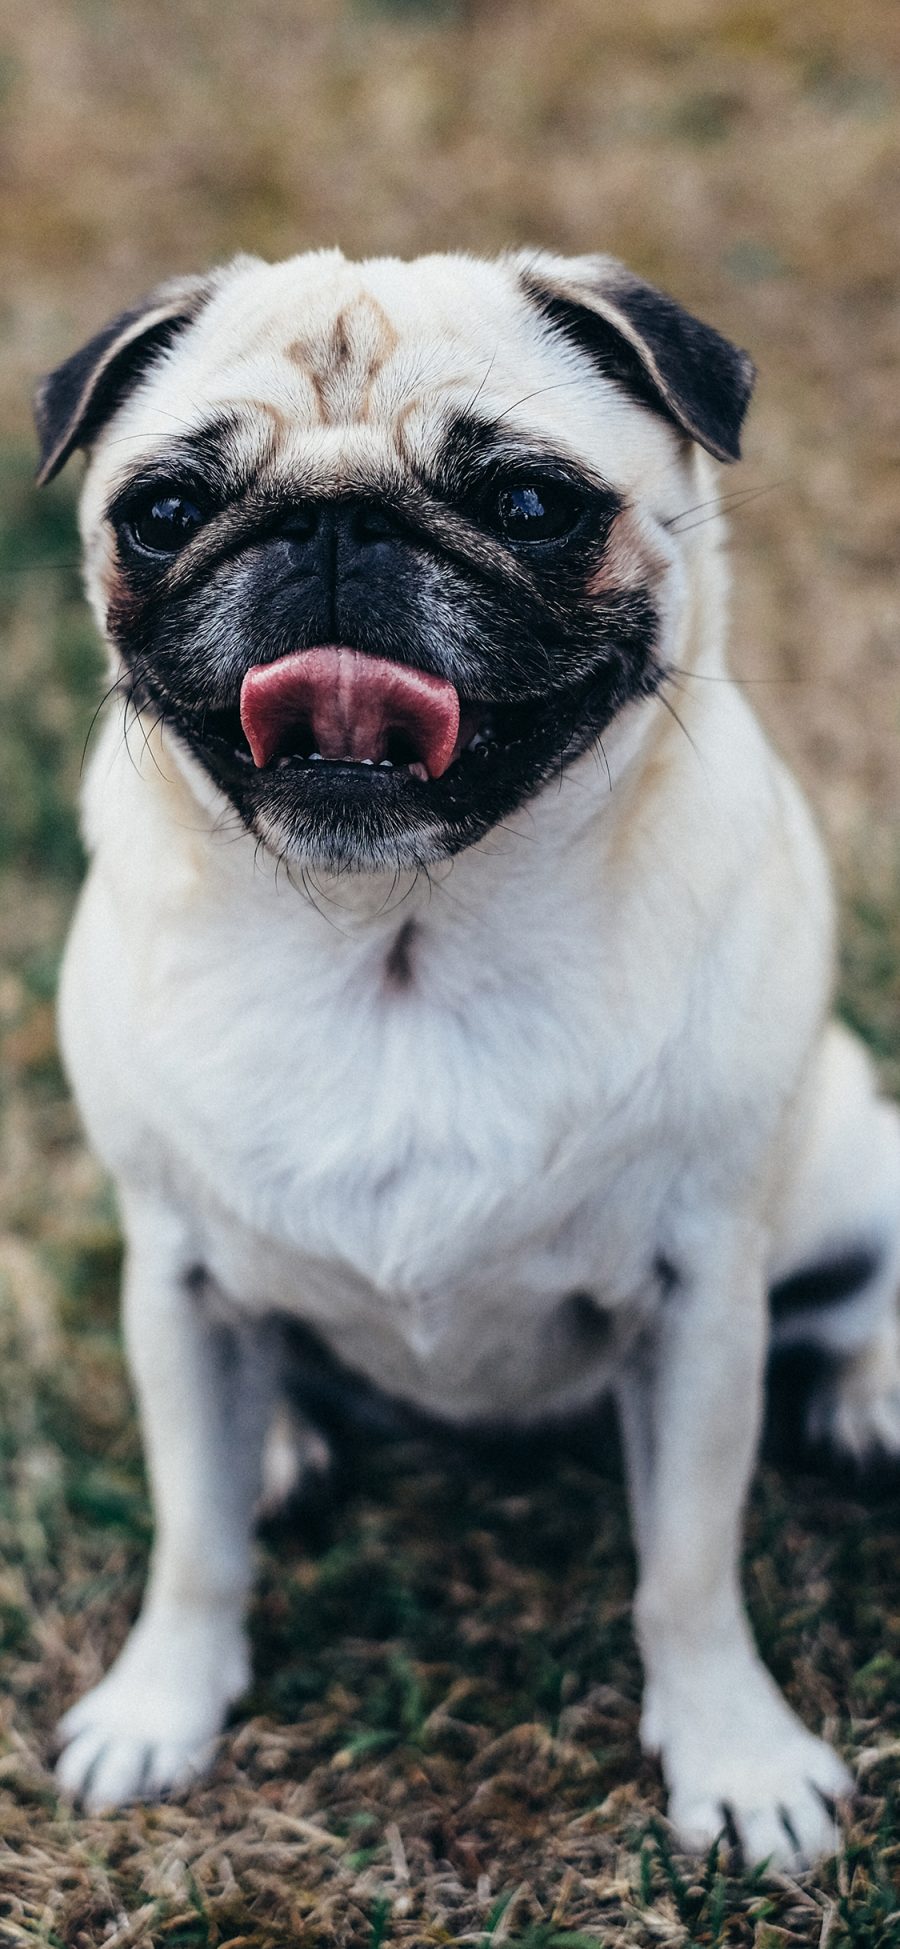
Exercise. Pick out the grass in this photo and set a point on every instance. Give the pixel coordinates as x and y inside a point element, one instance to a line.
<point>441,1743</point>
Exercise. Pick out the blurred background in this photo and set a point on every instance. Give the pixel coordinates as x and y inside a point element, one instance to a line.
<point>745,154</point>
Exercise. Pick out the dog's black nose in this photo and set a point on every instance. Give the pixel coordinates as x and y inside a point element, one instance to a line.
<point>335,532</point>
<point>334,562</point>
<point>369,521</point>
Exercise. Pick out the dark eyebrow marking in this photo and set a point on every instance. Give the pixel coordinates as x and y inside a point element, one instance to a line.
<point>473,451</point>
<point>210,459</point>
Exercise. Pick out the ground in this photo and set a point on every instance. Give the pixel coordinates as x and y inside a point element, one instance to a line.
<point>441,1745</point>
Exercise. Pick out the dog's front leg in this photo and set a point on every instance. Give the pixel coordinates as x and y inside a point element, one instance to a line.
<point>732,1751</point>
<point>205,1394</point>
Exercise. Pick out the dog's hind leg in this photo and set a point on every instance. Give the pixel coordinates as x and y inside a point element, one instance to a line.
<point>835,1278</point>
<point>297,1463</point>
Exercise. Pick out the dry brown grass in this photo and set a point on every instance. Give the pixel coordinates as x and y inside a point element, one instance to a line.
<point>442,1742</point>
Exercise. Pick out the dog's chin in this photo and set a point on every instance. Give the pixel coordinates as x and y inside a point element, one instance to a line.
<point>337,815</point>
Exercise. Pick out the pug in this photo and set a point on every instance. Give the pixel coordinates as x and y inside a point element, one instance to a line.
<point>452,979</point>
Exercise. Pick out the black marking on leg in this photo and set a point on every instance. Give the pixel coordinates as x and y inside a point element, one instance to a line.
<point>828,1284</point>
<point>196,1280</point>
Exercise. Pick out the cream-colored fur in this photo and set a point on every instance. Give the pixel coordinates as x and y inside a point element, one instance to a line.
<point>614,1059</point>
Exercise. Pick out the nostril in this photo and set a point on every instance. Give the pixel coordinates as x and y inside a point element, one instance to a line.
<point>372,522</point>
<point>301,523</point>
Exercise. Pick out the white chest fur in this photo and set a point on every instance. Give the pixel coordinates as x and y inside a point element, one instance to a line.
<point>421,1124</point>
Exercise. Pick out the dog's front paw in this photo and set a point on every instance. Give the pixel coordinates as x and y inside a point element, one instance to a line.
<point>778,1806</point>
<point>751,1769</point>
<point>149,1727</point>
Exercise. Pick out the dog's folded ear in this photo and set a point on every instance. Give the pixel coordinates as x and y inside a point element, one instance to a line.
<point>76,400</point>
<point>647,342</point>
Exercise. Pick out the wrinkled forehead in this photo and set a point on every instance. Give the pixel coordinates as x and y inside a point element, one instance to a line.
<point>336,365</point>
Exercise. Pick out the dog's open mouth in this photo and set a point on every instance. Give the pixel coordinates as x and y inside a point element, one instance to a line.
<point>350,759</point>
<point>336,706</point>
<point>344,707</point>
<point>355,761</point>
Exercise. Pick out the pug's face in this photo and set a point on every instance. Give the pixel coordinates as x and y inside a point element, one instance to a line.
<point>387,546</point>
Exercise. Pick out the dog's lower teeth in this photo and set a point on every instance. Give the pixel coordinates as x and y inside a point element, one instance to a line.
<point>484,742</point>
<point>316,758</point>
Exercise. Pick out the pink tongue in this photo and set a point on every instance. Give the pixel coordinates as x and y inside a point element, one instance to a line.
<point>351,703</point>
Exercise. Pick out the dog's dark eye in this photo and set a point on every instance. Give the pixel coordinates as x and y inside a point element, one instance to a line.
<point>533,510</point>
<point>163,522</point>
